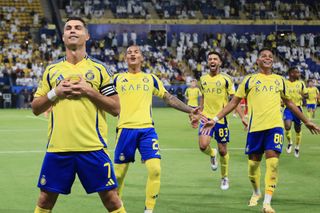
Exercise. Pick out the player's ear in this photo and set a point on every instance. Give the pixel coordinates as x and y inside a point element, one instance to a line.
<point>87,35</point>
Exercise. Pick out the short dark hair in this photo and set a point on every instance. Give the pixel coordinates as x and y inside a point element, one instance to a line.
<point>215,53</point>
<point>264,49</point>
<point>77,19</point>
<point>292,68</point>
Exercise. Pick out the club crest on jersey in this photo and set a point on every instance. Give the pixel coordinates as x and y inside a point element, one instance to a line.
<point>89,75</point>
<point>218,83</point>
<point>43,180</point>
<point>277,82</point>
<point>145,80</point>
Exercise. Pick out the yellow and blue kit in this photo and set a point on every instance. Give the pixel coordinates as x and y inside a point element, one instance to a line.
<point>312,99</point>
<point>193,95</point>
<point>77,133</point>
<point>135,126</point>
<point>216,91</point>
<point>263,94</point>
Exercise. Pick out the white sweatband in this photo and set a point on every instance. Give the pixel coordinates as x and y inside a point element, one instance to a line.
<point>215,119</point>
<point>52,96</point>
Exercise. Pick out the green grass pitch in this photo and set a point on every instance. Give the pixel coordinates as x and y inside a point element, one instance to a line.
<point>187,186</point>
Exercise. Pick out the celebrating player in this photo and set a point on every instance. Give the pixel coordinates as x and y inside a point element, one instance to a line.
<point>312,100</point>
<point>135,128</point>
<point>216,89</point>
<point>80,90</point>
<point>296,91</point>
<point>264,92</point>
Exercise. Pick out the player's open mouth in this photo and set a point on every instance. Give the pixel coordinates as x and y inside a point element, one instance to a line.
<point>213,66</point>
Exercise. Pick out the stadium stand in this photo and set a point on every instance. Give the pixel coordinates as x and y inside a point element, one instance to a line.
<point>174,46</point>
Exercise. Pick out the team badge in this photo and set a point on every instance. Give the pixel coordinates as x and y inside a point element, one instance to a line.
<point>89,75</point>
<point>43,180</point>
<point>297,85</point>
<point>277,82</point>
<point>218,83</point>
<point>122,158</point>
<point>145,80</point>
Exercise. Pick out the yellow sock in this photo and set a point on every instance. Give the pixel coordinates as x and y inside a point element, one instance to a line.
<point>298,138</point>
<point>224,161</point>
<point>271,177</point>
<point>288,135</point>
<point>153,182</point>
<point>254,175</point>
<point>121,171</point>
<point>121,210</point>
<point>41,210</point>
<point>209,151</point>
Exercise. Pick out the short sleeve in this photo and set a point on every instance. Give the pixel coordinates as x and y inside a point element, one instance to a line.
<point>159,89</point>
<point>107,84</point>
<point>44,85</point>
<point>231,89</point>
<point>243,87</point>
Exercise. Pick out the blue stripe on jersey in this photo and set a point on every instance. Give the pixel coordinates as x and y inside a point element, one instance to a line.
<point>246,87</point>
<point>51,129</point>
<point>115,81</point>
<point>155,83</point>
<point>101,63</point>
<point>302,86</point>
<point>284,87</point>
<point>227,83</point>
<point>98,132</point>
<point>249,126</point>
<point>101,77</point>
<point>48,80</point>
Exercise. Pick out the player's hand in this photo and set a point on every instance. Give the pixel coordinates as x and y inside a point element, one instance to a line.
<point>79,88</point>
<point>194,117</point>
<point>245,123</point>
<point>63,89</point>
<point>314,129</point>
<point>207,126</point>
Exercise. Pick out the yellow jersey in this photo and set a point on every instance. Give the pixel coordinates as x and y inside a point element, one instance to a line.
<point>77,124</point>
<point>313,94</point>
<point>192,94</point>
<point>295,91</point>
<point>263,94</point>
<point>135,92</point>
<point>215,91</point>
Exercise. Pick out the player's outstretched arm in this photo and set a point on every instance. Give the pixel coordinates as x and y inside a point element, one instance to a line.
<point>176,103</point>
<point>314,129</point>
<point>43,103</point>
<point>110,104</point>
<point>209,124</point>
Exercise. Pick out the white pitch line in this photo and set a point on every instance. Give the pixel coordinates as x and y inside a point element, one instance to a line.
<point>111,150</point>
<point>38,118</point>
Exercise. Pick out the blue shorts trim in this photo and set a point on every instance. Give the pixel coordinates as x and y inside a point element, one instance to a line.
<point>258,142</point>
<point>311,106</point>
<point>221,132</point>
<point>94,169</point>
<point>288,115</point>
<point>129,140</point>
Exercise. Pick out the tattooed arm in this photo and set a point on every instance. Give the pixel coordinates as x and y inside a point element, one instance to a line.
<point>176,103</point>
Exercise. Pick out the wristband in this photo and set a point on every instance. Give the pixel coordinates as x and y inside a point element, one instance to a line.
<point>215,119</point>
<point>52,96</point>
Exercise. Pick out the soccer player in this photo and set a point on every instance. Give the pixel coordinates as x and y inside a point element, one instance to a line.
<point>312,100</point>
<point>264,91</point>
<point>135,128</point>
<point>296,91</point>
<point>192,94</point>
<point>216,89</point>
<point>80,91</point>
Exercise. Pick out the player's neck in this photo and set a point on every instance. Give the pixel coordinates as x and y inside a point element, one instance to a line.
<point>75,56</point>
<point>292,79</point>
<point>134,69</point>
<point>266,71</point>
<point>213,73</point>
